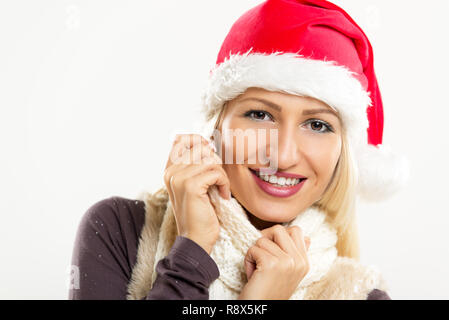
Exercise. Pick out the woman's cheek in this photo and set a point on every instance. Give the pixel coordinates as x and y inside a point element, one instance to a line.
<point>322,153</point>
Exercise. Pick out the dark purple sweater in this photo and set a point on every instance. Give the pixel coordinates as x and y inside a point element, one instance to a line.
<point>105,252</point>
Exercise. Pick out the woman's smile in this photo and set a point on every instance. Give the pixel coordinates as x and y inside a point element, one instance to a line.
<point>279,184</point>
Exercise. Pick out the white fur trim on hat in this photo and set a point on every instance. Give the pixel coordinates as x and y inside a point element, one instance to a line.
<point>292,73</point>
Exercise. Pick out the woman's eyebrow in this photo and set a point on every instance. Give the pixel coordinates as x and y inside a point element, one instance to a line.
<point>268,103</point>
<point>304,112</point>
<point>315,111</point>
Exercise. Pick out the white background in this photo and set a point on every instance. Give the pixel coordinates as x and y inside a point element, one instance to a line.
<point>91,93</point>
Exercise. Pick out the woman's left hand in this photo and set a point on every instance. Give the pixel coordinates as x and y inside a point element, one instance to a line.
<point>276,264</point>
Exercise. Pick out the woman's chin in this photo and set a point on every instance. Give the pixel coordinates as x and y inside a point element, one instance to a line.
<point>268,210</point>
<point>272,215</point>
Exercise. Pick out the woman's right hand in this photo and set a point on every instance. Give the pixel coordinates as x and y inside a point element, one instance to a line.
<point>276,264</point>
<point>191,169</point>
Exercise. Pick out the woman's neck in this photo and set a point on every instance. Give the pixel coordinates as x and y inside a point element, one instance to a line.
<point>258,223</point>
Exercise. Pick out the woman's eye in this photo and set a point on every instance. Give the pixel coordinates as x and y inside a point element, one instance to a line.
<point>319,126</point>
<point>258,115</point>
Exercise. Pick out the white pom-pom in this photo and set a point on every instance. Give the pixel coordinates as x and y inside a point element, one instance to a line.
<point>381,172</point>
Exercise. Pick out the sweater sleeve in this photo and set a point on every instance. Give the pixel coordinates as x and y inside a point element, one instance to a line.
<point>105,252</point>
<point>185,273</point>
<point>377,294</point>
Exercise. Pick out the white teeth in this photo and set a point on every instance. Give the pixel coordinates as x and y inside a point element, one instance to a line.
<point>282,181</point>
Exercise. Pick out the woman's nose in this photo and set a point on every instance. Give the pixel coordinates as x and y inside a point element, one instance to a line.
<point>288,152</point>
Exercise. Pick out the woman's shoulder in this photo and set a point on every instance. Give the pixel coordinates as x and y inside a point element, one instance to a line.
<point>105,247</point>
<point>113,222</point>
<point>119,221</point>
<point>114,212</point>
<point>349,279</point>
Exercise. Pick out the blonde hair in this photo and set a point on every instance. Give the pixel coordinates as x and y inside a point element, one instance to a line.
<point>338,200</point>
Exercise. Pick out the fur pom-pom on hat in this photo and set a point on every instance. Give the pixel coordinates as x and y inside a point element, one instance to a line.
<point>381,172</point>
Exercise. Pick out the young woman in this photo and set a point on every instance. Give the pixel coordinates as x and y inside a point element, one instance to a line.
<point>266,211</point>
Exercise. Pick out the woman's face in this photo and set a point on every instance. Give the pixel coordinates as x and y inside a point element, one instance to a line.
<point>308,145</point>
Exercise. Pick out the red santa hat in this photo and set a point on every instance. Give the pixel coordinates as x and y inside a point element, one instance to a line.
<point>311,48</point>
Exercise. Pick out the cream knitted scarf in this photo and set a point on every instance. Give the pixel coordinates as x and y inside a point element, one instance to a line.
<point>237,235</point>
<point>329,276</point>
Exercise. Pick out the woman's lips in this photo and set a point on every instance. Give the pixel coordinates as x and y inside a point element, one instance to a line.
<point>275,191</point>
